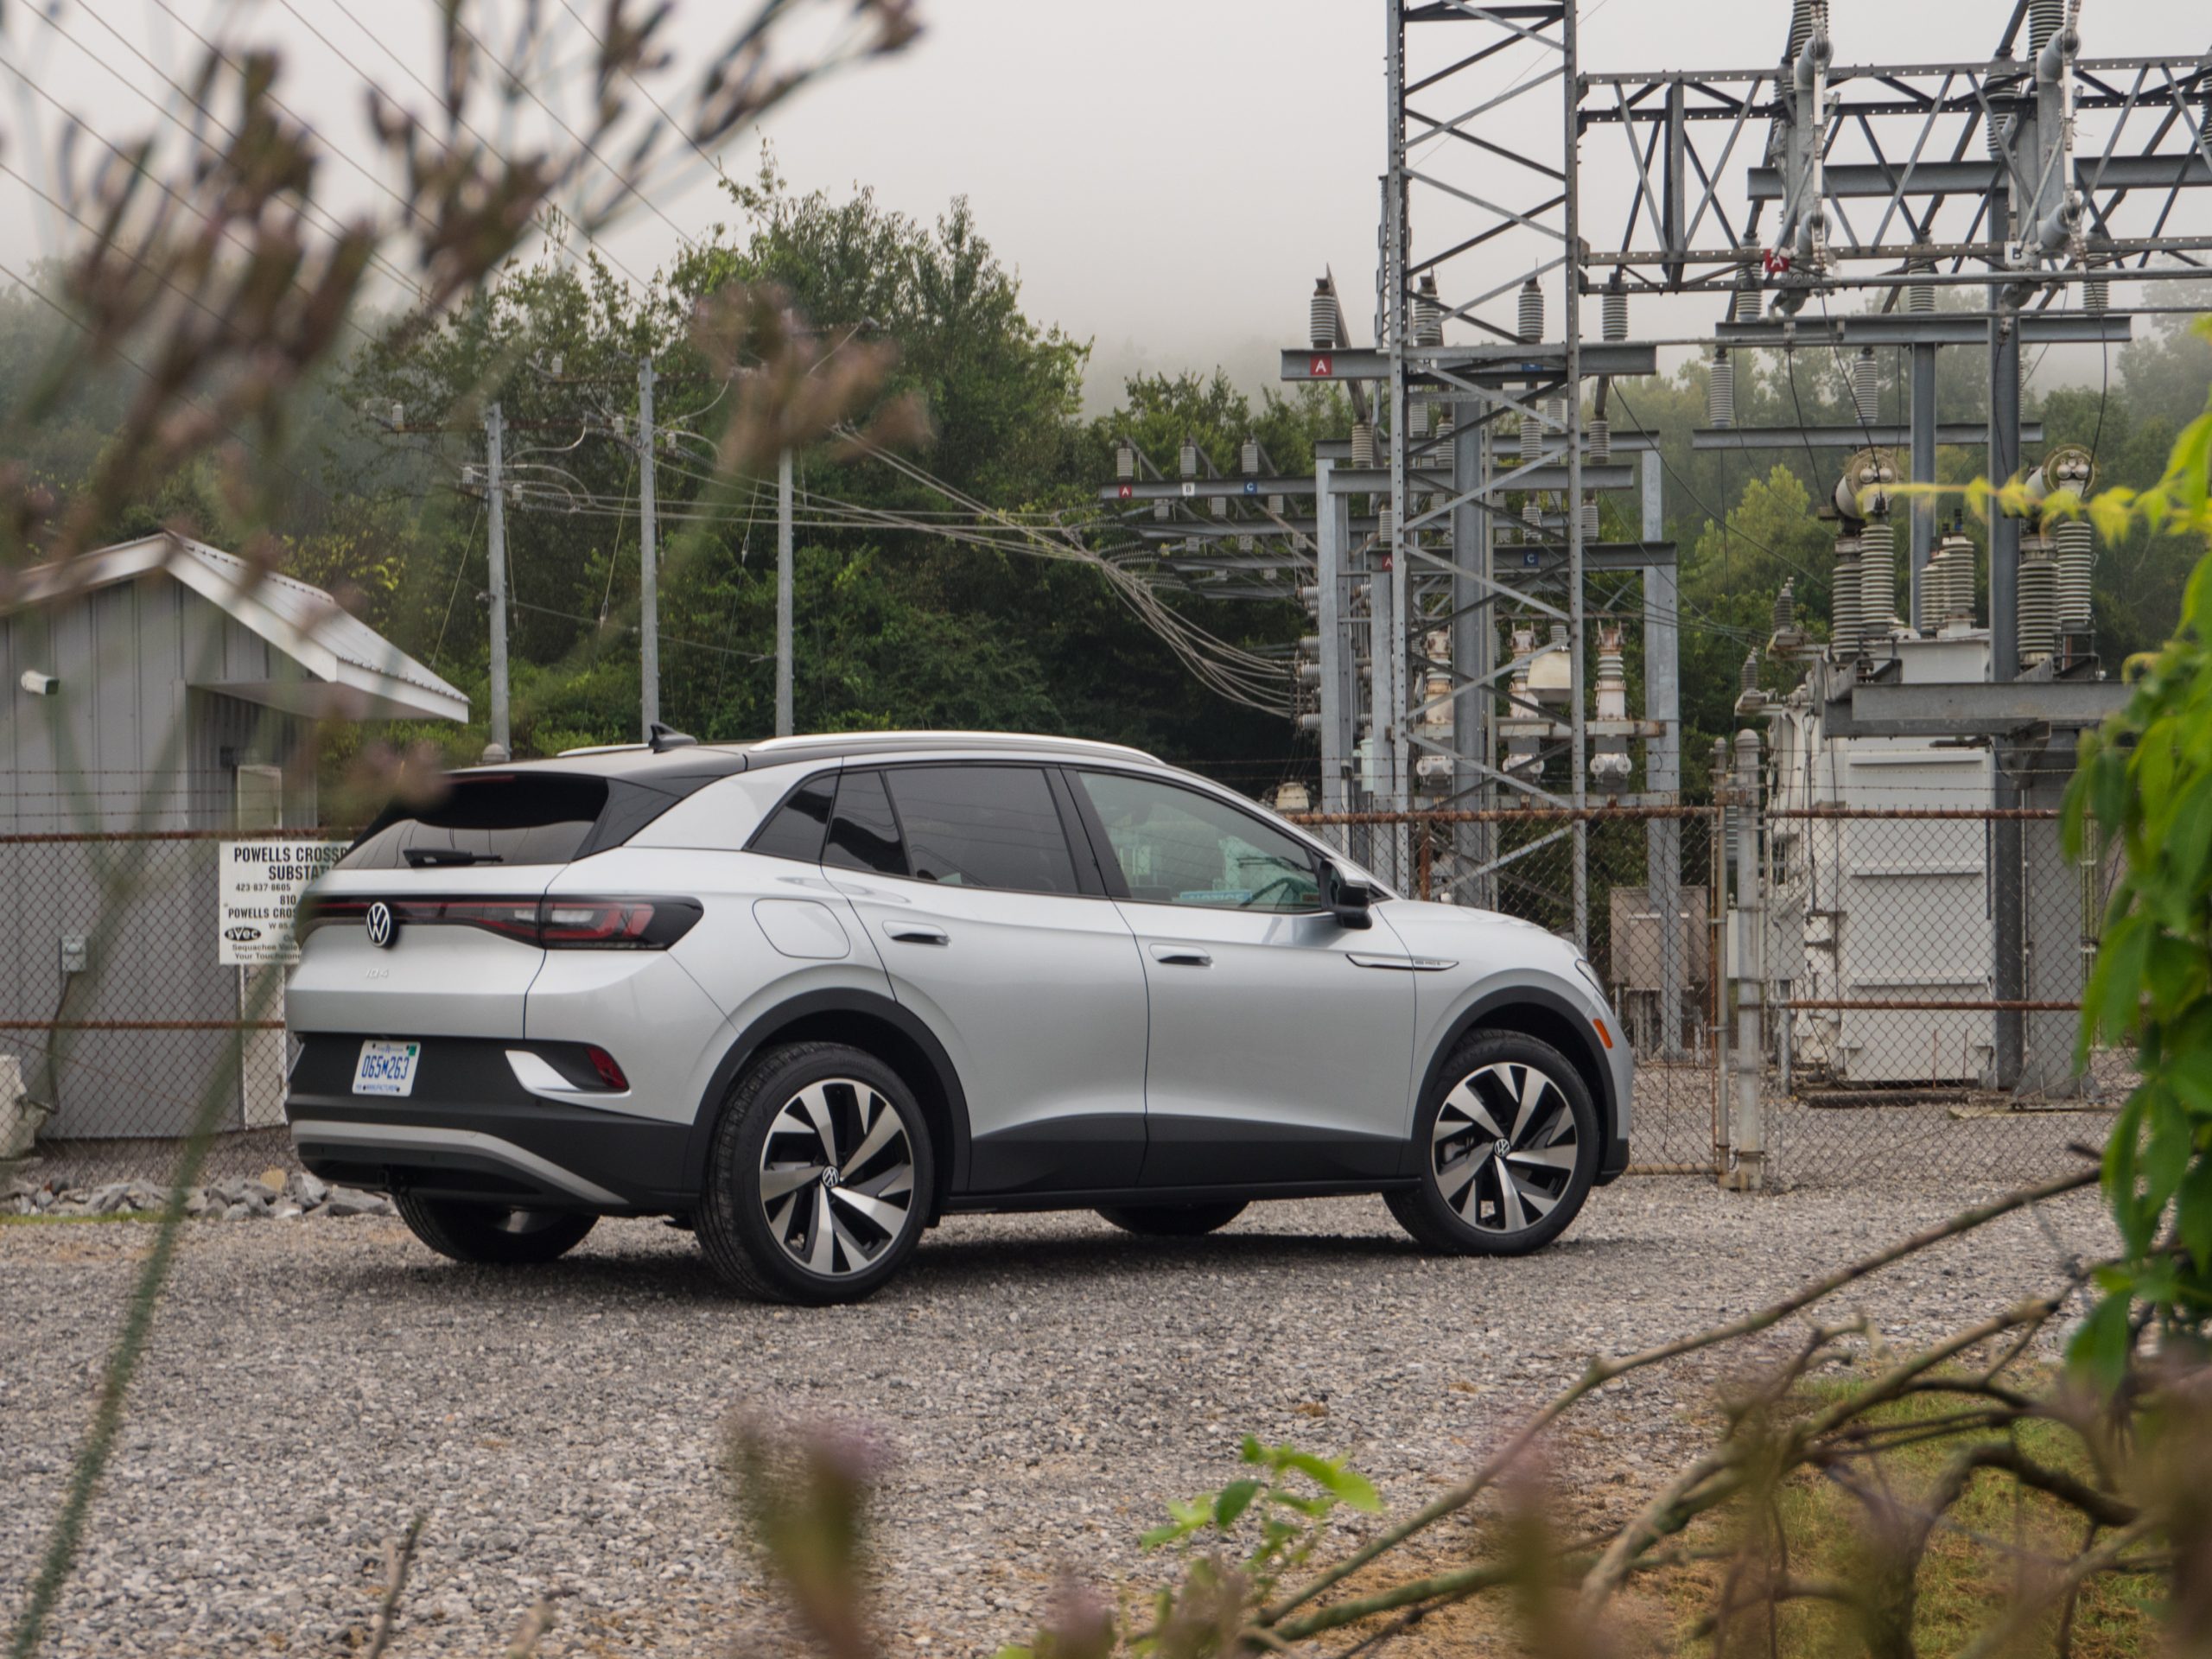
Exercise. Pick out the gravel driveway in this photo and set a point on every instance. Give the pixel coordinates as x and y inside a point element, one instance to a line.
<point>1042,1385</point>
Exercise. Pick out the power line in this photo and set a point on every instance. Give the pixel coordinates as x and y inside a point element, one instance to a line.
<point>1718,520</point>
<point>376,86</point>
<point>598,41</point>
<point>336,231</point>
<point>629,185</point>
<point>139,166</point>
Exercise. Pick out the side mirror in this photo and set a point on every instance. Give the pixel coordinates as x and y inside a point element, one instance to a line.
<point>1349,898</point>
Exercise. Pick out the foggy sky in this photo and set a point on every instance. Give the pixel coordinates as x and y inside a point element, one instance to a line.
<point>1167,176</point>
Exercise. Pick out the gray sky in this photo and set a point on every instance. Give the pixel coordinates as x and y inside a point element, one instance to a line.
<point>1167,176</point>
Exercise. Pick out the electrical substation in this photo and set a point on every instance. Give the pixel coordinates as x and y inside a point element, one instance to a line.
<point>1473,619</point>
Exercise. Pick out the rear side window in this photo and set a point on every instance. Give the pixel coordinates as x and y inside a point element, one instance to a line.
<point>795,829</point>
<point>982,826</point>
<point>864,835</point>
<point>492,818</point>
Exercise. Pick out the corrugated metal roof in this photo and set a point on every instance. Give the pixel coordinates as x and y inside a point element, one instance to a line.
<point>319,617</point>
<point>295,616</point>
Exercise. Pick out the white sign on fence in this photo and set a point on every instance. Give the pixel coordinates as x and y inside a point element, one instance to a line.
<point>258,888</point>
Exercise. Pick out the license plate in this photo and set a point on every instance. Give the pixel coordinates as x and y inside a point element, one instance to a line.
<point>386,1068</point>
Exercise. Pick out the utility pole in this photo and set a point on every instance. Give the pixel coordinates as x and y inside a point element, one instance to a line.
<point>784,594</point>
<point>648,577</point>
<point>498,749</point>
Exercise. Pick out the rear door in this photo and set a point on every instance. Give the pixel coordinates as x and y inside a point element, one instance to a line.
<point>1281,1044</point>
<point>964,878</point>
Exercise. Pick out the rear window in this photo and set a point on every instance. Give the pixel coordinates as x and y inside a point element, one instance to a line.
<point>520,818</point>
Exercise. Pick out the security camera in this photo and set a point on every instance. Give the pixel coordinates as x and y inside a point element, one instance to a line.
<point>38,685</point>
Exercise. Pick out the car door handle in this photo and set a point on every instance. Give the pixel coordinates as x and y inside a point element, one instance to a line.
<point>916,933</point>
<point>1182,955</point>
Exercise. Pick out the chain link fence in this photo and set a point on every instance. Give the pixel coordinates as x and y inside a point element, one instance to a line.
<point>119,1022</point>
<point>1922,973</point>
<point>1919,981</point>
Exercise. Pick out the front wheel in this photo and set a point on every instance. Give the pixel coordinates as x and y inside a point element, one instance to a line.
<point>1172,1220</point>
<point>492,1233</point>
<point>1508,1147</point>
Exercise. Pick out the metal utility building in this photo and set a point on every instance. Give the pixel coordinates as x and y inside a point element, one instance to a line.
<point>159,685</point>
<point>144,679</point>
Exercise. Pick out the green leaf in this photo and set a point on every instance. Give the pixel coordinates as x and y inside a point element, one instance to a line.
<point>2101,1346</point>
<point>2166,1155</point>
<point>2115,988</point>
<point>1232,1501</point>
<point>2193,1213</point>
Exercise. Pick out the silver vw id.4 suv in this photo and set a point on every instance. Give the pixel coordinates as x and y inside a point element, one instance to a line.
<point>808,996</point>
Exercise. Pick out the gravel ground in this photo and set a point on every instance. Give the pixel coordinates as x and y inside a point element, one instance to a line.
<point>1040,1386</point>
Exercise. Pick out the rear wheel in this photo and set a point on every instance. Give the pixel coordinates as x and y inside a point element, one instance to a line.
<point>818,1179</point>
<point>1172,1220</point>
<point>1507,1144</point>
<point>490,1232</point>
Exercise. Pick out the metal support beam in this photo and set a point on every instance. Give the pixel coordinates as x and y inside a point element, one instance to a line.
<point>1738,438</point>
<point>1925,433</point>
<point>1926,329</point>
<point>1474,638</point>
<point>1486,365</point>
<point>1663,766</point>
<point>1973,710</point>
<point>2007,920</point>
<point>1329,579</point>
<point>1747,1114</point>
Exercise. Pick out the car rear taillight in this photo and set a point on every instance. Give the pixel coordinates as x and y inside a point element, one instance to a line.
<point>549,924</point>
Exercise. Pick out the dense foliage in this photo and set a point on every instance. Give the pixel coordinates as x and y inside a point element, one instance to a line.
<point>2145,782</point>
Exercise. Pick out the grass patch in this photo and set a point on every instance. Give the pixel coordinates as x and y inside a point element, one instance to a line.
<point>65,1220</point>
<point>2001,1541</point>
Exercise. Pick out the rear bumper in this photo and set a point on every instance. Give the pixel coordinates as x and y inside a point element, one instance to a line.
<point>470,1130</point>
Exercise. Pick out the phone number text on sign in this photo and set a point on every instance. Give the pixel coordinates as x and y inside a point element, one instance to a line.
<point>259,888</point>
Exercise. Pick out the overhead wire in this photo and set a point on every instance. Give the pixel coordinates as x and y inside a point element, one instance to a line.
<point>139,166</point>
<point>1719,521</point>
<point>537,219</point>
<point>630,186</point>
<point>311,211</point>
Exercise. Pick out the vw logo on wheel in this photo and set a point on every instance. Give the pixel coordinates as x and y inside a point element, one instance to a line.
<point>383,929</point>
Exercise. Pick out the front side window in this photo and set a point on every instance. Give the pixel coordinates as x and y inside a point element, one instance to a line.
<point>982,826</point>
<point>1176,846</point>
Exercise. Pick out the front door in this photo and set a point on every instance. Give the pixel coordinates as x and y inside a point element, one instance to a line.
<point>1008,948</point>
<point>1281,1044</point>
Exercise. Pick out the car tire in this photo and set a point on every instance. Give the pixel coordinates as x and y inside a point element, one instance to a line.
<point>491,1233</point>
<point>1173,1220</point>
<point>1506,1143</point>
<point>811,1195</point>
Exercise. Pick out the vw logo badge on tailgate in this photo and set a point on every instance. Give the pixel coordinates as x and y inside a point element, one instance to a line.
<point>382,929</point>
